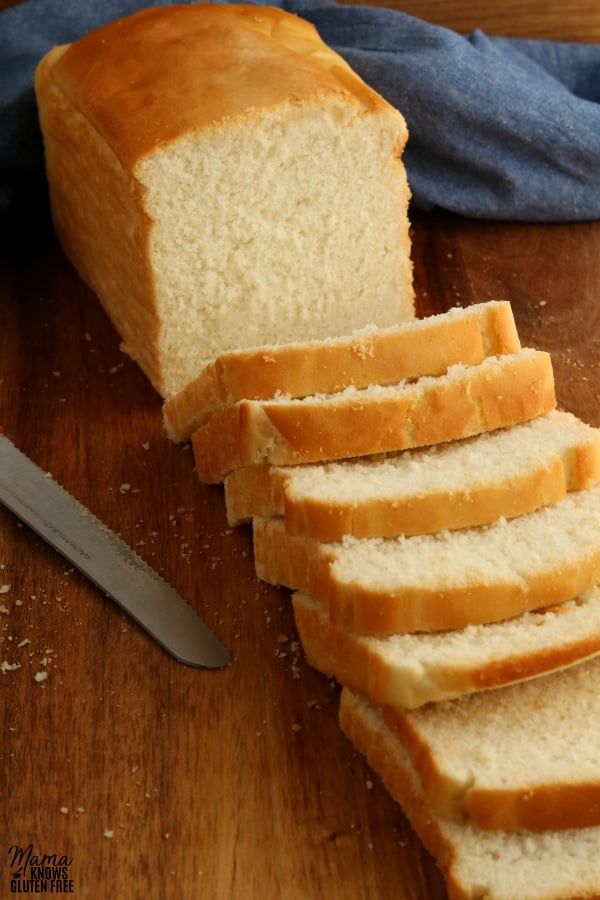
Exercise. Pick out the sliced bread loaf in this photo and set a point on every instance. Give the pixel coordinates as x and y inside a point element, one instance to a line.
<point>523,756</point>
<point>211,205</point>
<point>495,865</point>
<point>410,670</point>
<point>467,400</point>
<point>457,484</point>
<point>443,581</point>
<point>367,356</point>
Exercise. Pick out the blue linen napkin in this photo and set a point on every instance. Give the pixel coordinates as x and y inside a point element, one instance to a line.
<point>500,128</point>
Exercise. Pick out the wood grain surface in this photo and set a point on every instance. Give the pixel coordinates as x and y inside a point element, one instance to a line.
<point>157,780</point>
<point>567,20</point>
<point>149,780</point>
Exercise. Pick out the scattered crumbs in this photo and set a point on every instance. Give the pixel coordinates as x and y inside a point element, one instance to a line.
<point>5,666</point>
<point>24,642</point>
<point>40,676</point>
<point>108,833</point>
<point>64,810</point>
<point>4,588</point>
<point>4,610</point>
<point>56,373</point>
<point>369,784</point>
<point>125,488</point>
<point>146,445</point>
<point>87,336</point>
<point>166,835</point>
<point>296,727</point>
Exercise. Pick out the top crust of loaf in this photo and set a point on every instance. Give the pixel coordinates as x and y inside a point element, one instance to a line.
<point>150,77</point>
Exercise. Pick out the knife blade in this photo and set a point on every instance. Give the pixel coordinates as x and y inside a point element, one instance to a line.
<point>49,510</point>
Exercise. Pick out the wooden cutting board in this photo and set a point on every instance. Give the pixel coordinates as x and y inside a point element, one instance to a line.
<point>150,779</point>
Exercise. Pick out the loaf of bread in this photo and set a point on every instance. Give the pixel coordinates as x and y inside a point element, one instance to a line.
<point>497,865</point>
<point>525,756</point>
<point>369,356</point>
<point>410,670</point>
<point>467,400</point>
<point>442,581</point>
<point>457,484</point>
<point>222,179</point>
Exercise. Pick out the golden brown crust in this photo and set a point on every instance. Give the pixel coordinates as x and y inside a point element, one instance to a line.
<point>546,807</point>
<point>356,664</point>
<point>366,608</point>
<point>160,80</point>
<point>95,208</point>
<point>430,513</point>
<point>368,611</point>
<point>384,356</point>
<point>480,398</point>
<point>255,491</point>
<point>168,70</point>
<point>266,491</point>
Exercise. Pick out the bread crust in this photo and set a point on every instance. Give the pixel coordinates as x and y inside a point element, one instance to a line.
<point>383,607</point>
<point>521,804</point>
<point>556,469</point>
<point>158,91</point>
<point>451,844</point>
<point>358,663</point>
<point>467,401</point>
<point>83,169</point>
<point>176,69</point>
<point>371,356</point>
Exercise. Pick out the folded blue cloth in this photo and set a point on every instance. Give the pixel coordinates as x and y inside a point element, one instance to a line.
<point>499,128</point>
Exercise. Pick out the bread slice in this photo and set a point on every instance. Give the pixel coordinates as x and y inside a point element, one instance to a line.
<point>443,581</point>
<point>524,756</point>
<point>212,206</point>
<point>410,670</point>
<point>467,400</point>
<point>457,484</point>
<point>495,865</point>
<point>368,356</point>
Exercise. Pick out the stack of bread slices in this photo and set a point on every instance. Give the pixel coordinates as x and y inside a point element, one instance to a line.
<point>438,520</point>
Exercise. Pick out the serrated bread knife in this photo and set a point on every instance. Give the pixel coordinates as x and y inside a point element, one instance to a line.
<point>39,501</point>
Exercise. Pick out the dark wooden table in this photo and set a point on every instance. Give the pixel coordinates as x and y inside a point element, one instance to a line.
<point>150,779</point>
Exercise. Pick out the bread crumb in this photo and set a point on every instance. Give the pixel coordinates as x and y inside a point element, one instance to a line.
<point>296,727</point>
<point>108,833</point>
<point>5,588</point>
<point>9,667</point>
<point>40,676</point>
<point>64,810</point>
